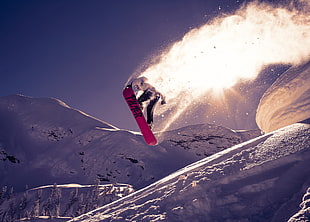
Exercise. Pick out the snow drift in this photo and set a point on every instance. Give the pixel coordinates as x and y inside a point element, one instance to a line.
<point>259,180</point>
<point>287,101</point>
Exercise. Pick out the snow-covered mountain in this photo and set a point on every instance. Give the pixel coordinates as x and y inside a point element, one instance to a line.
<point>43,141</point>
<point>259,180</point>
<point>200,173</point>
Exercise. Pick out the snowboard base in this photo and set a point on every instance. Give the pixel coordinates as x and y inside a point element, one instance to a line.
<point>135,108</point>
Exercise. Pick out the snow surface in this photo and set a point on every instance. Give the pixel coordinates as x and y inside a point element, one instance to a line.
<point>259,180</point>
<point>287,101</point>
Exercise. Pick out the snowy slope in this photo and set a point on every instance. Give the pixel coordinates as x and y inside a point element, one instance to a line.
<point>43,141</point>
<point>260,180</point>
<point>287,101</point>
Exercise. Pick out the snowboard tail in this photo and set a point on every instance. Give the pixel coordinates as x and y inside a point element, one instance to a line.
<point>135,108</point>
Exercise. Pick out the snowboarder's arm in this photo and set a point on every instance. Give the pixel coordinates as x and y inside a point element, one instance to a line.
<point>163,101</point>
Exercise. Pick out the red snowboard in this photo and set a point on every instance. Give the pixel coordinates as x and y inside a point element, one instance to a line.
<point>135,108</point>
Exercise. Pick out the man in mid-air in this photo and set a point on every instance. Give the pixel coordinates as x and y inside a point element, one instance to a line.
<point>149,95</point>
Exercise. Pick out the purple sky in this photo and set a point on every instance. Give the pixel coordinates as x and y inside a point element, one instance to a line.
<point>83,52</point>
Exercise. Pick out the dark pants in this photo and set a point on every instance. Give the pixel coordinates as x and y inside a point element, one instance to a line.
<point>146,95</point>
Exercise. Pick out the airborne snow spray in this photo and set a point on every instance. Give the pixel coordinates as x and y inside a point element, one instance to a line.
<point>227,50</point>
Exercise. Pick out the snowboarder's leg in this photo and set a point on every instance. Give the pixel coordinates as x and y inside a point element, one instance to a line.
<point>150,110</point>
<point>146,95</point>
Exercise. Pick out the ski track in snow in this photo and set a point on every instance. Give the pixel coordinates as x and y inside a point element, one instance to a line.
<point>250,180</point>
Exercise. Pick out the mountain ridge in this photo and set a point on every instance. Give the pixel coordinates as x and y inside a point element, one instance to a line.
<point>46,137</point>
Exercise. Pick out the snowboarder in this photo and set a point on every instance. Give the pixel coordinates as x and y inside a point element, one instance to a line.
<point>150,95</point>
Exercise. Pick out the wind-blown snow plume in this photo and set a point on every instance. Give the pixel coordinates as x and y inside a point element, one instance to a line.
<point>225,51</point>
